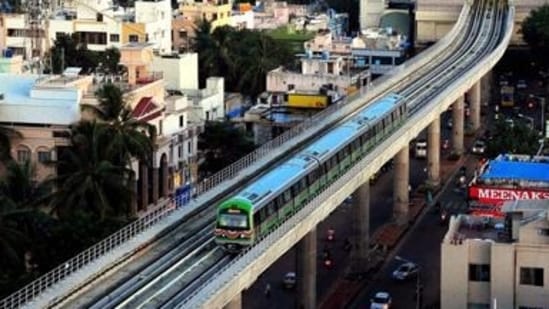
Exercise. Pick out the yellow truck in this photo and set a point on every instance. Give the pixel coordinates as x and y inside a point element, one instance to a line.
<point>507,96</point>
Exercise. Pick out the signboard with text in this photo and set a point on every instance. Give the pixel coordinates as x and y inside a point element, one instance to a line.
<point>490,199</point>
<point>496,196</point>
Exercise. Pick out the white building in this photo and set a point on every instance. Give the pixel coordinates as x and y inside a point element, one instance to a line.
<point>486,263</point>
<point>102,25</point>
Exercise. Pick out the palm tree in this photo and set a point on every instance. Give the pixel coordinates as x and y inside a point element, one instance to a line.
<point>12,239</point>
<point>19,187</point>
<point>128,137</point>
<point>6,135</point>
<point>90,182</point>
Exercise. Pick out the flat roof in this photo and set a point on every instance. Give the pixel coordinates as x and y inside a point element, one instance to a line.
<point>516,170</point>
<point>24,103</point>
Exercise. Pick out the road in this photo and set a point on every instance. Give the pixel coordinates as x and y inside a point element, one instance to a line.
<point>421,246</point>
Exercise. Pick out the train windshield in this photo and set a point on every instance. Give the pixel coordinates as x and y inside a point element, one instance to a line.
<point>236,221</point>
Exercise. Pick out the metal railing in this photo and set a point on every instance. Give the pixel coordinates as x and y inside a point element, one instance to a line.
<point>33,289</point>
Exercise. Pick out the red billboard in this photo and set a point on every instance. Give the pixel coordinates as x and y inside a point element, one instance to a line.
<point>496,196</point>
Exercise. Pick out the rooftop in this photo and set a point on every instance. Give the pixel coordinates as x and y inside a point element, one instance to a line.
<point>515,168</point>
<point>31,99</point>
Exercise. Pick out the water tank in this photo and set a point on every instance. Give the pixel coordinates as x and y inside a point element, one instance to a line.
<point>309,54</point>
<point>326,55</point>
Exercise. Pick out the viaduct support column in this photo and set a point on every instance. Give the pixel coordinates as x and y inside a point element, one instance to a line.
<point>457,126</point>
<point>433,153</point>
<point>401,186</point>
<point>236,303</point>
<point>306,271</point>
<point>361,228</point>
<point>474,96</point>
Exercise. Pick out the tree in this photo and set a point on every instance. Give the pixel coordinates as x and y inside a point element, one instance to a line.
<point>222,145</point>
<point>535,32</point>
<point>18,186</point>
<point>518,138</point>
<point>90,182</point>
<point>110,60</point>
<point>260,54</point>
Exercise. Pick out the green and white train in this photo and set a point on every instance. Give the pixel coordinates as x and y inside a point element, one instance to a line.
<point>278,194</point>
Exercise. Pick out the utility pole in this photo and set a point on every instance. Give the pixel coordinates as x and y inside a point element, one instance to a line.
<point>37,13</point>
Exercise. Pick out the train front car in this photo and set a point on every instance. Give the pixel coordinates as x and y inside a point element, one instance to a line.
<point>234,229</point>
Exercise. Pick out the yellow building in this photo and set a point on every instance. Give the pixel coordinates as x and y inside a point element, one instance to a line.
<point>218,12</point>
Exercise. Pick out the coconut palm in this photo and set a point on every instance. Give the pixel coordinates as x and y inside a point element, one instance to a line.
<point>88,181</point>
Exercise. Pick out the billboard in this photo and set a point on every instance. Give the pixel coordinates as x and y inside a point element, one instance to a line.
<point>496,196</point>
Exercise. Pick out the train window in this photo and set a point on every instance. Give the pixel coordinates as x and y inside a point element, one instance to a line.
<point>287,196</point>
<point>295,189</point>
<point>325,168</point>
<point>303,183</point>
<point>334,161</point>
<point>312,176</point>
<point>257,218</point>
<point>271,207</point>
<point>340,155</point>
<point>263,214</point>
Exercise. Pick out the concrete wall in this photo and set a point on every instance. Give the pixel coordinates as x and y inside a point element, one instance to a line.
<point>179,72</point>
<point>531,256</point>
<point>502,275</point>
<point>453,276</point>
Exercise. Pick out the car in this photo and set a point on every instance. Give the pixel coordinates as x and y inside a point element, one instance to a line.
<point>449,123</point>
<point>405,271</point>
<point>521,84</point>
<point>382,300</point>
<point>479,147</point>
<point>289,280</point>
<point>421,149</point>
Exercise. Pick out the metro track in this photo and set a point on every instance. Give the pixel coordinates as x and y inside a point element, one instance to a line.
<point>193,247</point>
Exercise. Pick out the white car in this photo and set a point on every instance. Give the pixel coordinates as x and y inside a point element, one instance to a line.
<point>382,300</point>
<point>479,147</point>
<point>405,271</point>
<point>421,149</point>
<point>289,280</point>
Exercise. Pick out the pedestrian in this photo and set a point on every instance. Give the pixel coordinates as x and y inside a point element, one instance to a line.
<point>268,290</point>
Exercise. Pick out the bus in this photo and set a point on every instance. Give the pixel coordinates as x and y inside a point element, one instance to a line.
<point>507,96</point>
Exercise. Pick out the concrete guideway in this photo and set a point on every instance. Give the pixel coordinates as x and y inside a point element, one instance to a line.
<point>220,291</point>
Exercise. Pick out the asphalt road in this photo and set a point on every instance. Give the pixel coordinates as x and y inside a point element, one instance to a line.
<point>421,246</point>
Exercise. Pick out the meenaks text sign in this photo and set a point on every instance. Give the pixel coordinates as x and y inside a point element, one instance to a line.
<point>496,196</point>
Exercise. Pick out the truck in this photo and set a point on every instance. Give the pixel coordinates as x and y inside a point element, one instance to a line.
<point>301,100</point>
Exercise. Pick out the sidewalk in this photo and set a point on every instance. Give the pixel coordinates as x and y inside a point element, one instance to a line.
<point>387,237</point>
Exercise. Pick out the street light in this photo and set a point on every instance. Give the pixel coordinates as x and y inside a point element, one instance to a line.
<point>419,297</point>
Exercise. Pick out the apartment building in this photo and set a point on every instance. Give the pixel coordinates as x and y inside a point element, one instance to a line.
<point>497,263</point>
<point>15,35</point>
<point>102,25</point>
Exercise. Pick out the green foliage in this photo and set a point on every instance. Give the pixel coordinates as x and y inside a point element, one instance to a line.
<point>243,57</point>
<point>222,144</point>
<point>70,51</point>
<point>535,32</point>
<point>517,139</point>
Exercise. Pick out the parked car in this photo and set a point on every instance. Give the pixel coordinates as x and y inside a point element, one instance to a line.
<point>289,280</point>
<point>382,300</point>
<point>479,147</point>
<point>405,271</point>
<point>521,84</point>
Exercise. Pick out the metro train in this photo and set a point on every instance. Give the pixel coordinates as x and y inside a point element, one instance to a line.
<point>278,194</point>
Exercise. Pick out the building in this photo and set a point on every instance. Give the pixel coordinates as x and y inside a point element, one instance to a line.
<point>318,71</point>
<point>497,263</point>
<point>508,177</point>
<point>380,49</point>
<point>15,35</point>
<point>217,12</point>
<point>40,108</point>
<point>101,25</point>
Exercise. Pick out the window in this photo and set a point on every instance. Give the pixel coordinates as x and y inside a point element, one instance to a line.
<point>190,147</point>
<point>543,232</point>
<point>181,121</point>
<point>115,38</point>
<point>44,156</point>
<point>23,155</point>
<point>531,276</point>
<point>183,34</point>
<point>479,272</point>
<point>133,38</point>
<point>99,38</point>
<point>99,17</point>
<point>59,35</point>
<point>180,151</point>
<point>529,307</point>
<point>478,306</point>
